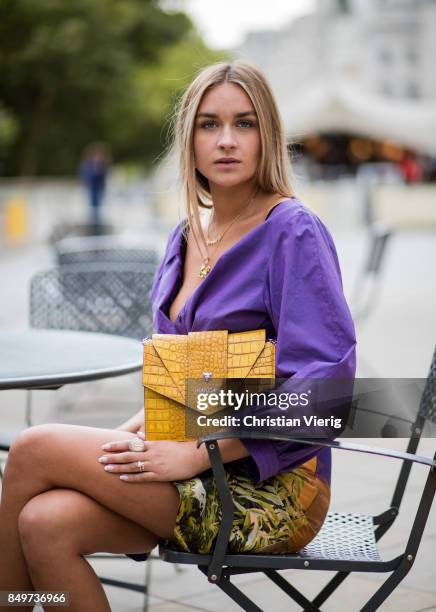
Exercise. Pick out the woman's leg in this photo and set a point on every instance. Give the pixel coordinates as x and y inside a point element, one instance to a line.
<point>46,457</point>
<point>58,527</point>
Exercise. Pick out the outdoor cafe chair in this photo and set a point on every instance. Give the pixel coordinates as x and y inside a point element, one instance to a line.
<point>367,283</point>
<point>102,249</point>
<point>67,229</point>
<point>346,543</point>
<point>110,298</point>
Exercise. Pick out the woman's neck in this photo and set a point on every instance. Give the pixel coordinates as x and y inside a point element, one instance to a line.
<point>231,201</point>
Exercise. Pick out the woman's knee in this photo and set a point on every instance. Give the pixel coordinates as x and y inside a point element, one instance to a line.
<point>32,443</point>
<point>43,524</point>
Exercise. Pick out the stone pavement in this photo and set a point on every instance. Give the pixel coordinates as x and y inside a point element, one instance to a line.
<point>397,340</point>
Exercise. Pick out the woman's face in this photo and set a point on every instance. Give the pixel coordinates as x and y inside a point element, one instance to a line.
<point>226,126</point>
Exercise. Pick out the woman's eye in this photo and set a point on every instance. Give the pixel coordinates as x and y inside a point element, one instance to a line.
<point>243,123</point>
<point>206,124</point>
<point>247,122</point>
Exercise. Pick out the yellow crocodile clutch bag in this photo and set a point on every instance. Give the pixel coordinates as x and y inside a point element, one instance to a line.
<point>171,359</point>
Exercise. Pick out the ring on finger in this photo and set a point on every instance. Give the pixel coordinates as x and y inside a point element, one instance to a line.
<point>136,445</point>
<point>141,466</point>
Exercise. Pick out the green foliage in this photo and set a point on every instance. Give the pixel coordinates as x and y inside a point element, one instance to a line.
<point>84,70</point>
<point>8,129</point>
<point>150,103</point>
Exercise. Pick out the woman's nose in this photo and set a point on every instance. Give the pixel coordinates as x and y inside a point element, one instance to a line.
<point>227,137</point>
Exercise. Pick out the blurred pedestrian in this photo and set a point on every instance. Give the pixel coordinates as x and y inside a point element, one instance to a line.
<point>93,171</point>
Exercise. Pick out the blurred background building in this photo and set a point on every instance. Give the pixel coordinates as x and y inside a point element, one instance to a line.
<point>356,84</point>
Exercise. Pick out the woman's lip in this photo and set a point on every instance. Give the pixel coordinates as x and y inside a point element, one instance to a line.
<point>228,162</point>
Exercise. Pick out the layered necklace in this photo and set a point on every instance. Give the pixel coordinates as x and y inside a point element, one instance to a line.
<point>205,266</point>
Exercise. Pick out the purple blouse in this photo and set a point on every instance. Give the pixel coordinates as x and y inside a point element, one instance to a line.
<point>284,276</point>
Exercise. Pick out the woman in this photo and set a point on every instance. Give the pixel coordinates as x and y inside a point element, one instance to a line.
<point>261,260</point>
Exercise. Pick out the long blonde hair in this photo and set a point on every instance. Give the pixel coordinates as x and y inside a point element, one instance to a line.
<point>274,165</point>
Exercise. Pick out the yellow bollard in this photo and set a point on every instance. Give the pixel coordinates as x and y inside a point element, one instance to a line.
<point>16,219</point>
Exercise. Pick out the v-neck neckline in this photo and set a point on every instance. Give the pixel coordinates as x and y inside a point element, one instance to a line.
<point>181,256</point>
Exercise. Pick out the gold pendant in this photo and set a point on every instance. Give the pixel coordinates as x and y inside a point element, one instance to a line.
<point>205,268</point>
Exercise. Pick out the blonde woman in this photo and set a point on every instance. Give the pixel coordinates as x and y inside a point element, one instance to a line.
<point>258,259</point>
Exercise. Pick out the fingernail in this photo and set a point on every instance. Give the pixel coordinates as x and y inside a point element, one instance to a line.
<point>106,446</point>
<point>109,468</point>
<point>104,459</point>
<point>124,477</point>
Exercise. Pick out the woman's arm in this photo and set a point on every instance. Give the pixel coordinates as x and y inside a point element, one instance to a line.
<point>316,340</point>
<point>165,460</point>
<point>135,423</point>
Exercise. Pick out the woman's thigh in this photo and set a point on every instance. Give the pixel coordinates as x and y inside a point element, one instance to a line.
<point>66,456</point>
<point>75,522</point>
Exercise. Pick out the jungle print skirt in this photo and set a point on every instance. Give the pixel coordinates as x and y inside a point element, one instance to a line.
<point>278,515</point>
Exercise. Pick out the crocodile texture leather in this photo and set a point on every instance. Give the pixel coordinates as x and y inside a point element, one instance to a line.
<point>171,359</point>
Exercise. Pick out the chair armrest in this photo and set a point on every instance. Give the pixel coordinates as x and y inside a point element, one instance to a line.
<point>372,450</point>
<point>216,565</point>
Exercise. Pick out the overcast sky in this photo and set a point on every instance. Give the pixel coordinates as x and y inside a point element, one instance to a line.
<point>224,23</point>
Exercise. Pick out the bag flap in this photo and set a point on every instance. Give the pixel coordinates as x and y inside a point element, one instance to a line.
<point>244,349</point>
<point>207,354</point>
<point>172,359</point>
<point>165,365</point>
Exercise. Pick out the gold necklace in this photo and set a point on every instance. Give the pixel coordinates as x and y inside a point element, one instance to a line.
<point>212,242</point>
<point>205,266</point>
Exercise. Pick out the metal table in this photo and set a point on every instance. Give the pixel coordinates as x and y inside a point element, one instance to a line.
<point>48,359</point>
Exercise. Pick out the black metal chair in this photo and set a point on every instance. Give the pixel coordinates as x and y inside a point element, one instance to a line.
<point>367,283</point>
<point>66,230</point>
<point>103,297</point>
<point>111,298</point>
<point>102,249</point>
<point>347,542</point>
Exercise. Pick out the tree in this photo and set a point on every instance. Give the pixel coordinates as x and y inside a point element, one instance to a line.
<point>80,70</point>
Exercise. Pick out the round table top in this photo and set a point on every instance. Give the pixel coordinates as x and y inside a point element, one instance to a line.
<point>40,358</point>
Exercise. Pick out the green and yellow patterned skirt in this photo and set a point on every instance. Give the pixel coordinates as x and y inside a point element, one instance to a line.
<point>278,515</point>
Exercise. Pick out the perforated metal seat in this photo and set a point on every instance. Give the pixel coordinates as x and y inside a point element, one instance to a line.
<point>344,537</point>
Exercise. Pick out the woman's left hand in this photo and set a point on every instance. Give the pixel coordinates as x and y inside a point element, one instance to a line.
<point>163,460</point>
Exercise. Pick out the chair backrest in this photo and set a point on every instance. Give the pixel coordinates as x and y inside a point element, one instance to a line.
<point>379,236</point>
<point>426,411</point>
<point>427,407</point>
<point>106,298</point>
<point>366,285</point>
<point>94,249</point>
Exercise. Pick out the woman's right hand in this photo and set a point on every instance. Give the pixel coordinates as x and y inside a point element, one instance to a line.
<point>162,460</point>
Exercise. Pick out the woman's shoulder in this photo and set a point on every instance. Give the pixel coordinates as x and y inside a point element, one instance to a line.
<point>293,215</point>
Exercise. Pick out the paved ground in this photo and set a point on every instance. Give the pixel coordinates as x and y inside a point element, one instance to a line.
<point>396,341</point>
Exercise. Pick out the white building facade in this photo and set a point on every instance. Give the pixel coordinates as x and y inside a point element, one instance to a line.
<point>359,66</point>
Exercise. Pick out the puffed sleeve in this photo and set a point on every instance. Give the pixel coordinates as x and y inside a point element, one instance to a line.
<point>304,298</point>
